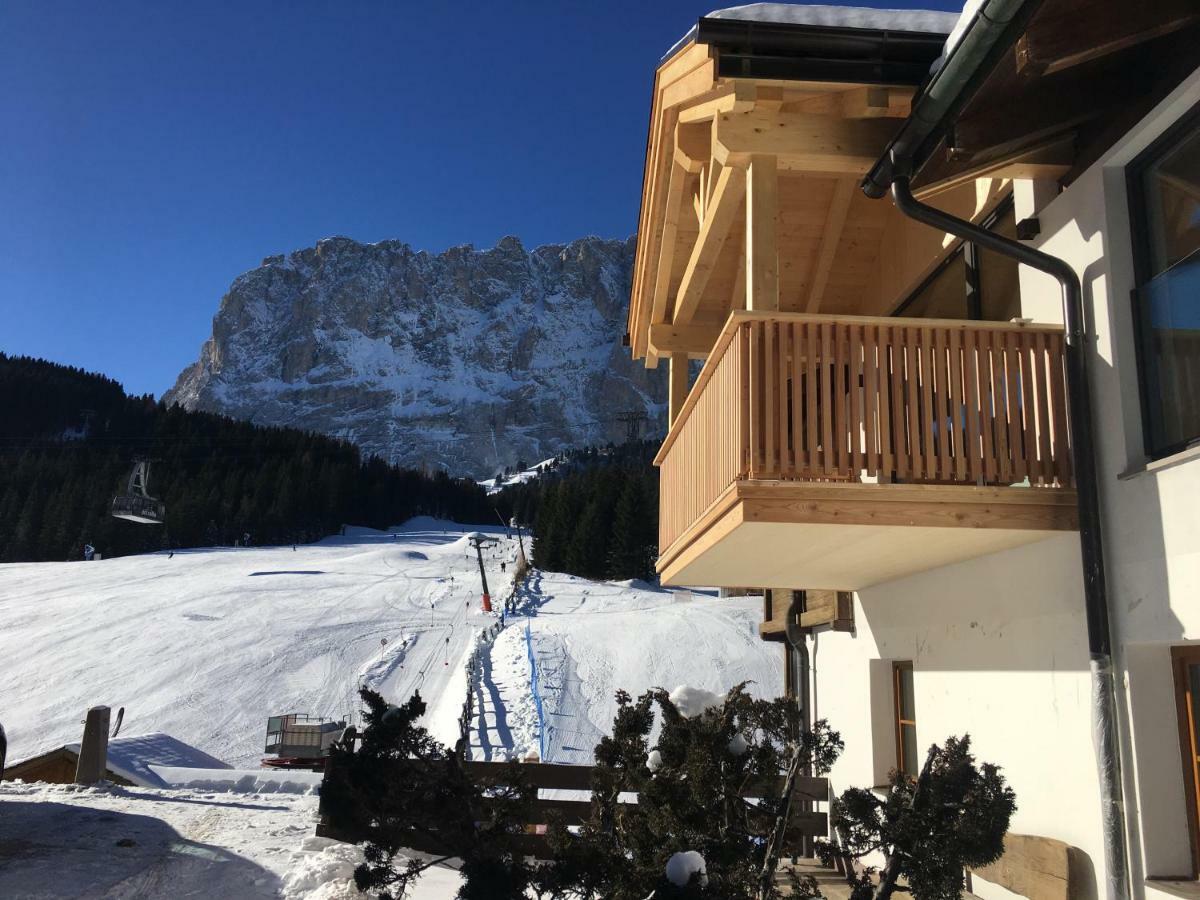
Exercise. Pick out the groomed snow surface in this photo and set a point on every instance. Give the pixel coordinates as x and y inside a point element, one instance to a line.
<point>202,647</point>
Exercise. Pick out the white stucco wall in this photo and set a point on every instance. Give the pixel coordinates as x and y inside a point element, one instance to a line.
<point>999,652</point>
<point>1151,513</point>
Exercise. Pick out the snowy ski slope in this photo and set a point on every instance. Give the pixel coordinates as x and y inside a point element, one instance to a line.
<point>205,645</point>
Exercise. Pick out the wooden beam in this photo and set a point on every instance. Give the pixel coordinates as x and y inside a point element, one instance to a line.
<point>803,142</point>
<point>693,146</point>
<point>697,340</point>
<point>666,255</point>
<point>1075,32</point>
<point>731,187</point>
<point>678,385</point>
<point>739,98</point>
<point>762,226</point>
<point>1049,161</point>
<point>876,102</point>
<point>835,220</point>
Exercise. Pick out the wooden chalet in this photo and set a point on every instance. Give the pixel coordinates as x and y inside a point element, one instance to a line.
<point>871,403</point>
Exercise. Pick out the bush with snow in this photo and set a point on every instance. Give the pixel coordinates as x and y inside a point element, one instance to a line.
<point>691,833</point>
<point>682,866</point>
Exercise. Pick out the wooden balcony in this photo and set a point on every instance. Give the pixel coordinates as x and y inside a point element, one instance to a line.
<point>837,452</point>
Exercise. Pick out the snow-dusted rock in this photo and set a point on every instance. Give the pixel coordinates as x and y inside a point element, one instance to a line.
<point>469,359</point>
<point>682,866</point>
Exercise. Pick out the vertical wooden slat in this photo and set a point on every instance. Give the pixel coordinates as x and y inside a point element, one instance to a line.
<point>886,405</point>
<point>1058,401</point>
<point>973,369</point>
<point>941,403</point>
<point>903,394</point>
<point>961,449</point>
<point>1025,355</point>
<point>799,456</point>
<point>827,450</point>
<point>1013,395</point>
<point>810,393</point>
<point>787,464</point>
<point>770,383</point>
<point>1000,409</point>
<point>840,398</point>
<point>1043,409</point>
<point>743,388</point>
<point>857,425</point>
<point>928,442</point>
<point>870,399</point>
<point>912,372</point>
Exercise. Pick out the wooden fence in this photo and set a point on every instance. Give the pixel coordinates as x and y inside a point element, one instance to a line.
<point>557,777</point>
<point>843,398</point>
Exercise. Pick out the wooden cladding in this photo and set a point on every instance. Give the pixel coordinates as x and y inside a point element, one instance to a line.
<point>848,398</point>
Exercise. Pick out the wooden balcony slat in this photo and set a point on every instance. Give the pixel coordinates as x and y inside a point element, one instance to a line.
<point>957,424</point>
<point>1043,409</point>
<point>870,395</point>
<point>810,391</point>
<point>1059,403</point>
<point>1024,343</point>
<point>1013,396</point>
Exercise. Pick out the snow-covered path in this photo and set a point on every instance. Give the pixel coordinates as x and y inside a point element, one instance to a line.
<point>590,639</point>
<point>206,645</point>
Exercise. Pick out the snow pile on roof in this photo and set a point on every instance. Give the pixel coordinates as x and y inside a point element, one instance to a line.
<point>970,10</point>
<point>241,781</point>
<point>133,757</point>
<point>923,21</point>
<point>918,20</point>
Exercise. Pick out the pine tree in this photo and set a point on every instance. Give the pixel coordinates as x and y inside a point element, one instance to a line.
<point>400,787</point>
<point>954,815</point>
<point>689,798</point>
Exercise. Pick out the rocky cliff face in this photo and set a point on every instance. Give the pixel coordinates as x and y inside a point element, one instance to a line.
<point>468,360</point>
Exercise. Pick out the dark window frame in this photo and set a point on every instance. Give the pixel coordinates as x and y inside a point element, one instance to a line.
<point>899,666</point>
<point>972,285</point>
<point>1140,237</point>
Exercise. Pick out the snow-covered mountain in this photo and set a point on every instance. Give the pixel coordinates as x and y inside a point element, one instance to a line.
<point>471,360</point>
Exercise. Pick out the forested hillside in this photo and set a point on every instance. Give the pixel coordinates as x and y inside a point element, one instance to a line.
<point>595,514</point>
<point>69,438</point>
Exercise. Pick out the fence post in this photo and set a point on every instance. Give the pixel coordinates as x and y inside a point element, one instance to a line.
<point>93,749</point>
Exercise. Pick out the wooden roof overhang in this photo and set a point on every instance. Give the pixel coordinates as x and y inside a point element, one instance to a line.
<point>754,139</point>
<point>1068,79</point>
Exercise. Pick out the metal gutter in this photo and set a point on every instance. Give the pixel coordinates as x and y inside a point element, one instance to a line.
<point>989,35</point>
<point>1081,435</point>
<point>799,52</point>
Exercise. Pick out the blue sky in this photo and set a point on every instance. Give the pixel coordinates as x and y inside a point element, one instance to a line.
<point>154,151</point>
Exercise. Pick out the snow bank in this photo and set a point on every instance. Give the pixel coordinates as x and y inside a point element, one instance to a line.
<point>134,757</point>
<point>241,781</point>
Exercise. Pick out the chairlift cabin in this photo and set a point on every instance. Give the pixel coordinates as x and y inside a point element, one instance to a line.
<point>136,505</point>
<point>300,741</point>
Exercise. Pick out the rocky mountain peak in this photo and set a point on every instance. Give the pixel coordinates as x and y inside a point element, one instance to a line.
<point>469,360</point>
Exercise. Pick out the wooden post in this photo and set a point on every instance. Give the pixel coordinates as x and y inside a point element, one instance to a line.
<point>678,387</point>
<point>762,249</point>
<point>93,749</point>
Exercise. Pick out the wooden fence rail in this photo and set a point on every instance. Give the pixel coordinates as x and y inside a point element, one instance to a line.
<point>557,777</point>
<point>851,398</point>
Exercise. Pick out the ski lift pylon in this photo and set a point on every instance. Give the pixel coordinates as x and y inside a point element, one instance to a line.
<point>136,505</point>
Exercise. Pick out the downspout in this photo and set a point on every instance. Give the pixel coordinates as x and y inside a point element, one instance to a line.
<point>1080,431</point>
<point>797,642</point>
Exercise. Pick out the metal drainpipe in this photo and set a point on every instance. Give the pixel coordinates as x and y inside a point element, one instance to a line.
<point>797,642</point>
<point>1079,425</point>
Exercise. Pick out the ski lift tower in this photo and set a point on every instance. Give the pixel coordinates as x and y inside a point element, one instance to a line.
<point>478,540</point>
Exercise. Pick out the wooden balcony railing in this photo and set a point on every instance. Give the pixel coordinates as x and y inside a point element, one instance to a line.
<point>849,398</point>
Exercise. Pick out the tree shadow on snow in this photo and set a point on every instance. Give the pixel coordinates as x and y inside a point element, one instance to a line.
<point>62,850</point>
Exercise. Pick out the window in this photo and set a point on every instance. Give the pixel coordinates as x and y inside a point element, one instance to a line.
<point>906,720</point>
<point>1164,193</point>
<point>971,283</point>
<point>1186,661</point>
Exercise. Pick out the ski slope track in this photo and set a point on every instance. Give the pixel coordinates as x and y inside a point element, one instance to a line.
<point>206,645</point>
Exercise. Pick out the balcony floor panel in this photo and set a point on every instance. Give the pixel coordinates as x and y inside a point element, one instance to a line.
<point>850,536</point>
